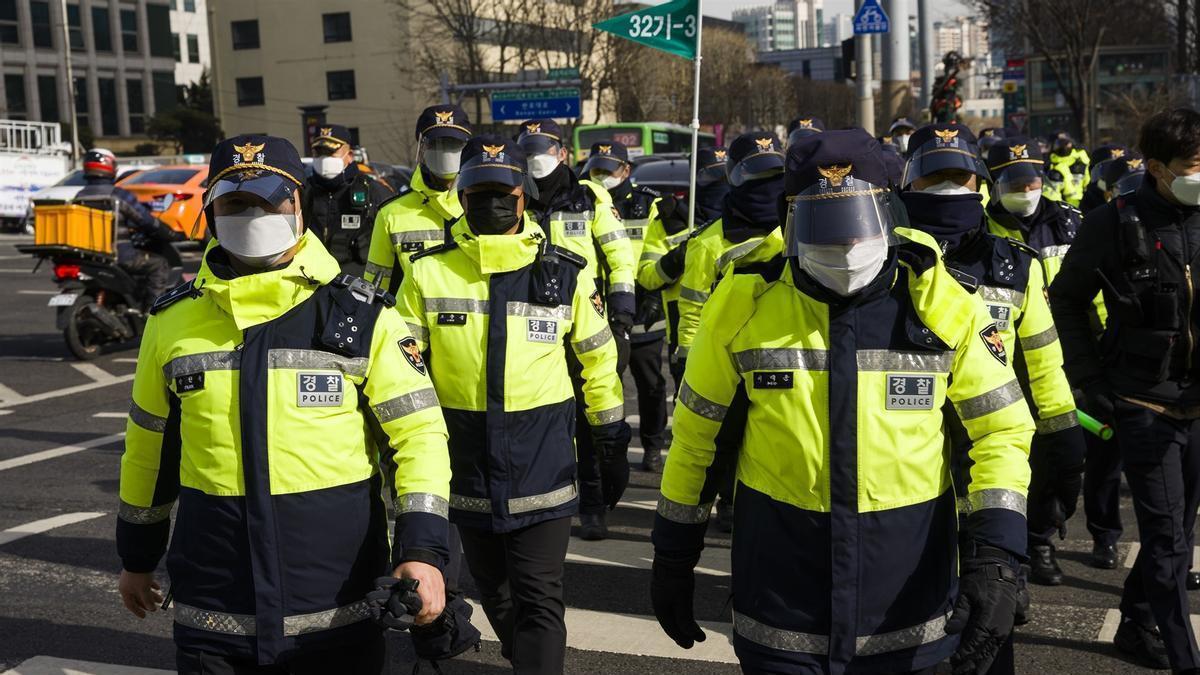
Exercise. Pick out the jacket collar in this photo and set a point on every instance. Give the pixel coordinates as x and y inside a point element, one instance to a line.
<point>498,253</point>
<point>444,202</point>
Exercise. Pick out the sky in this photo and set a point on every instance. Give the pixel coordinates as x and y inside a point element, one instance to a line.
<point>724,8</point>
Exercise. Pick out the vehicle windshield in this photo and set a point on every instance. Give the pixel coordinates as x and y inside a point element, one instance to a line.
<point>73,178</point>
<point>165,176</point>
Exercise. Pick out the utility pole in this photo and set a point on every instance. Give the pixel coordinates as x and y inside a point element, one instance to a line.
<point>66,47</point>
<point>925,35</point>
<point>897,66</point>
<point>863,59</point>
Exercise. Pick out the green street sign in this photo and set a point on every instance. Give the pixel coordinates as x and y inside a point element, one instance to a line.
<point>562,74</point>
<point>671,27</point>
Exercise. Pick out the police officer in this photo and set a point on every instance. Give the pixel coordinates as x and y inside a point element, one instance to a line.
<point>1141,374</point>
<point>901,131</point>
<point>340,200</point>
<point>1093,194</point>
<point>494,308</point>
<point>578,215</point>
<point>941,198</point>
<point>148,252</point>
<point>1071,165</point>
<point>847,348</point>
<point>663,250</point>
<point>420,214</point>
<point>803,126</point>
<point>254,386</point>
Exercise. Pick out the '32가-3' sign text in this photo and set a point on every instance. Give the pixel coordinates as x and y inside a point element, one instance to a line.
<point>671,27</point>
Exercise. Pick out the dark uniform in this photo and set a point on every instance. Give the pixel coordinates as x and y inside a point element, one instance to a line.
<point>1094,194</point>
<point>341,210</point>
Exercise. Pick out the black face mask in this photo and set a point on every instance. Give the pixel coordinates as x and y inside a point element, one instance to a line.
<point>491,212</point>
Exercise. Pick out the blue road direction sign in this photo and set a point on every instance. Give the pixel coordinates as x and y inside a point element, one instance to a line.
<point>530,103</point>
<point>870,18</point>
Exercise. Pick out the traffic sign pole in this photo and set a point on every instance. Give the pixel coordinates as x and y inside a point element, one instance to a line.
<point>695,118</point>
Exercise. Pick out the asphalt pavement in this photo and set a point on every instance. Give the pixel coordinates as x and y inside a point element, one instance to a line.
<point>61,433</point>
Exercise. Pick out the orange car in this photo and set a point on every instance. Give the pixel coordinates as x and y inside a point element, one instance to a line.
<point>175,194</point>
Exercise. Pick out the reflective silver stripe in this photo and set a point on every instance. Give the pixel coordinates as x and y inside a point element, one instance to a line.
<point>1057,423</point>
<point>995,498</point>
<point>693,295</point>
<point>636,233</point>
<point>640,329</point>
<point>422,502</point>
<point>379,272</point>
<point>1042,339</point>
<point>673,239</point>
<point>214,622</point>
<point>147,420</point>
<point>662,274</point>
<point>700,405</point>
<point>905,638</point>
<point>612,236</point>
<point>607,416</point>
<point>549,500</point>
<point>417,235</point>
<point>620,288</point>
<point>1054,251</point>
<point>405,404</point>
<point>472,504</point>
<point>909,362</point>
<point>300,624</point>
<point>1009,296</point>
<point>294,359</point>
<point>595,342</point>
<point>560,312</point>
<point>681,352</point>
<point>736,252</point>
<point>781,359</point>
<point>581,217</point>
<point>203,362</point>
<point>456,305</point>
<point>997,399</point>
<point>418,331</point>
<point>777,638</point>
<point>651,256</point>
<point>143,515</point>
<point>688,514</point>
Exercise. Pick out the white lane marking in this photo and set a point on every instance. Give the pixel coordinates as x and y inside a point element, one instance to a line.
<point>1112,619</point>
<point>67,391</point>
<point>112,415</point>
<point>639,554</point>
<point>58,452</point>
<point>12,270</point>
<point>1135,547</point>
<point>7,394</point>
<point>37,292</point>
<point>44,525</point>
<point>6,412</point>
<point>53,359</point>
<point>93,372</point>
<point>632,634</point>
<point>49,665</point>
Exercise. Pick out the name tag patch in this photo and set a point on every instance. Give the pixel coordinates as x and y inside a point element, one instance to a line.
<point>542,330</point>
<point>412,246</point>
<point>773,380</point>
<point>452,318</point>
<point>189,382</point>
<point>318,390</point>
<point>1001,314</point>
<point>909,392</point>
<point>350,222</point>
<point>575,228</point>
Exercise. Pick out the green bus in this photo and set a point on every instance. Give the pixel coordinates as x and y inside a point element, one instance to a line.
<point>640,138</point>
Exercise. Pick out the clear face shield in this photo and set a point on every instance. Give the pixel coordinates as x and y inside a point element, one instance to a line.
<point>442,156</point>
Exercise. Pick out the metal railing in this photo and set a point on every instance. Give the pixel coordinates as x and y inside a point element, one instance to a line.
<point>41,138</point>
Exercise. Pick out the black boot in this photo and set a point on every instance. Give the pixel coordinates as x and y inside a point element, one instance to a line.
<point>592,527</point>
<point>1043,567</point>
<point>652,461</point>
<point>1142,645</point>
<point>1193,580</point>
<point>1104,556</point>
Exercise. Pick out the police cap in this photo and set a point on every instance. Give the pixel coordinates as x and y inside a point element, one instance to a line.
<point>540,136</point>
<point>444,121</point>
<point>938,147</point>
<point>607,156</point>
<point>266,166</point>
<point>804,125</point>
<point>493,159</point>
<point>710,164</point>
<point>1109,151</point>
<point>1114,171</point>
<point>331,137</point>
<point>900,124</point>
<point>758,154</point>
<point>1015,158</point>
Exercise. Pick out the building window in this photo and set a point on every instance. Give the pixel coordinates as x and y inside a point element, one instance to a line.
<point>158,29</point>
<point>14,90</point>
<point>193,48</point>
<point>9,34</point>
<point>101,30</point>
<point>245,34</point>
<point>39,16</point>
<point>250,91</point>
<point>162,83</point>
<point>189,5</point>
<point>106,87</point>
<point>81,103</point>
<point>175,45</point>
<point>337,27</point>
<point>340,85</point>
<point>75,27</point>
<point>48,95</point>
<point>129,33</point>
<point>353,136</point>
<point>137,106</point>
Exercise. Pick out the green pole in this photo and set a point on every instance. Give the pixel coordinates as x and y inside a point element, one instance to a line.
<point>1095,426</point>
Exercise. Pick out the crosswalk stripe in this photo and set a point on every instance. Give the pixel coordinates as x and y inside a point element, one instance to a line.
<point>49,665</point>
<point>59,452</point>
<point>1136,547</point>
<point>45,525</point>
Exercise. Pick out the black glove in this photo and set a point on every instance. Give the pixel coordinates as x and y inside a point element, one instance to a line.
<point>394,603</point>
<point>672,262</point>
<point>1098,402</point>
<point>621,325</point>
<point>449,635</point>
<point>672,587</point>
<point>611,442</point>
<point>985,610</point>
<point>1066,451</point>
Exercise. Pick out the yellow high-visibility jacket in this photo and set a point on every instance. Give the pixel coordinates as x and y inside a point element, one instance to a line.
<point>417,218</point>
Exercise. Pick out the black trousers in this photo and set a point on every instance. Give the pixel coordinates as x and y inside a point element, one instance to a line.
<point>645,365</point>
<point>1163,470</point>
<point>520,579</point>
<point>150,268</point>
<point>360,658</point>
<point>1102,489</point>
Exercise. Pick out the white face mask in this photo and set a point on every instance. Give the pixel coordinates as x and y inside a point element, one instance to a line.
<point>1021,204</point>
<point>1186,188</point>
<point>845,269</point>
<point>542,165</point>
<point>441,163</point>
<point>948,187</point>
<point>256,237</point>
<point>902,141</point>
<point>328,167</point>
<point>608,180</point>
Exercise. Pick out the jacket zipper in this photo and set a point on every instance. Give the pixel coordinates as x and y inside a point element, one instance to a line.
<point>1191,343</point>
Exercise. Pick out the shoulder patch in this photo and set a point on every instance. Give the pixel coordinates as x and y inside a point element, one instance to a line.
<point>440,248</point>
<point>185,290</point>
<point>994,342</point>
<point>412,353</point>
<point>597,302</point>
<point>567,255</point>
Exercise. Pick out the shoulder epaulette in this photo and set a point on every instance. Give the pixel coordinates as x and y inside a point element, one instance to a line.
<point>703,226</point>
<point>404,189</point>
<point>965,280</point>
<point>440,248</point>
<point>1019,245</point>
<point>363,290</point>
<point>769,270</point>
<point>916,255</point>
<point>567,255</point>
<point>185,290</point>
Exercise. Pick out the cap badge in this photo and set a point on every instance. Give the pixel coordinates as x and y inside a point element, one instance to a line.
<point>248,151</point>
<point>604,149</point>
<point>1133,164</point>
<point>764,144</point>
<point>327,131</point>
<point>1117,153</point>
<point>946,135</point>
<point>533,128</point>
<point>719,154</point>
<point>1019,151</point>
<point>805,124</point>
<point>444,117</point>
<point>836,174</point>
<point>493,151</point>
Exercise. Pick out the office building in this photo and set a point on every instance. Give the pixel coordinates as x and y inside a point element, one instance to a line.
<point>785,25</point>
